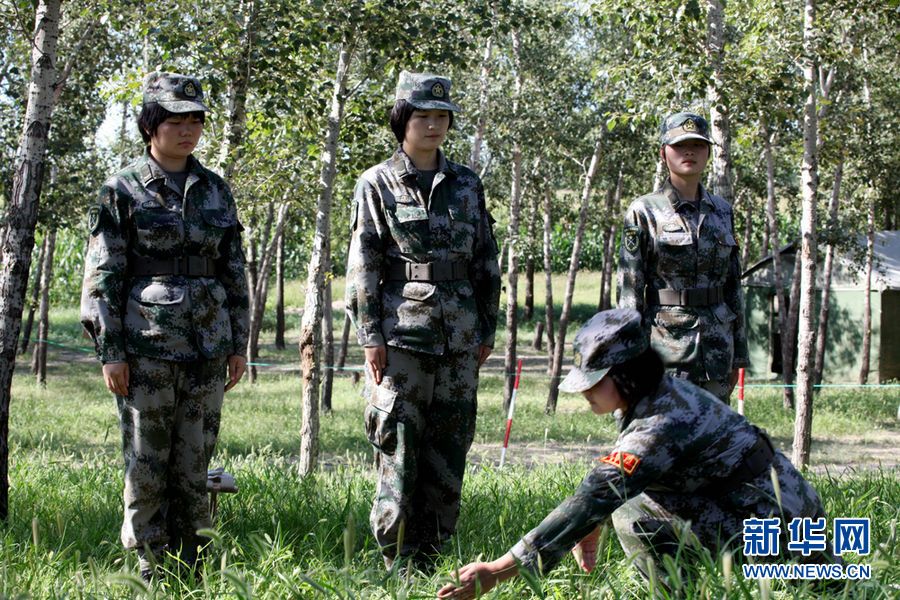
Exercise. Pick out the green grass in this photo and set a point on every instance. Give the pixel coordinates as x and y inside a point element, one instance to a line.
<point>284,536</point>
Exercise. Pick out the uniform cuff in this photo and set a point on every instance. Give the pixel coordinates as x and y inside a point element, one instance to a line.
<point>112,355</point>
<point>370,339</point>
<point>527,556</point>
<point>740,363</point>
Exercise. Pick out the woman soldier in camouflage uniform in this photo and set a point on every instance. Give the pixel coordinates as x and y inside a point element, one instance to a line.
<point>680,265</point>
<point>684,473</point>
<point>165,301</point>
<point>423,289</point>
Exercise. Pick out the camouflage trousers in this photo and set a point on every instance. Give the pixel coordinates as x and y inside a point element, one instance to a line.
<point>657,523</point>
<point>421,420</point>
<point>720,388</point>
<point>170,423</point>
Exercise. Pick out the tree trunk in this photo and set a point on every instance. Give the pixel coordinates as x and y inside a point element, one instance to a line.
<point>35,298</point>
<point>328,340</point>
<point>784,327</point>
<point>824,307</point>
<point>867,299</point>
<point>548,276</point>
<point>259,295</point>
<point>560,348</point>
<point>311,327</point>
<point>659,176</point>
<point>789,336</point>
<point>279,295</point>
<point>718,111</point>
<point>345,341</point>
<point>609,243</point>
<point>538,343</point>
<point>39,358</point>
<point>233,134</point>
<point>512,242</point>
<point>483,101</point>
<point>529,264</point>
<point>809,179</point>
<point>18,234</point>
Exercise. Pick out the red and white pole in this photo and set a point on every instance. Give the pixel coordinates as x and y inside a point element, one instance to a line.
<point>741,391</point>
<point>509,416</point>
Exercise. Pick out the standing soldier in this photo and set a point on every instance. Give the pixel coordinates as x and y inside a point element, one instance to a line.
<point>680,266</point>
<point>423,289</point>
<point>165,301</point>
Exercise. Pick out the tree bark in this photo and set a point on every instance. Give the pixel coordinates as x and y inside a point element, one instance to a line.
<point>718,111</point>
<point>659,176</point>
<point>609,243</point>
<point>512,242</point>
<point>35,299</point>
<point>789,336</point>
<point>238,85</point>
<point>786,331</point>
<point>39,357</point>
<point>824,307</point>
<point>279,294</point>
<point>559,350</point>
<point>328,340</point>
<point>260,295</point>
<point>548,276</point>
<point>809,179</point>
<point>867,299</point>
<point>18,234</point>
<point>311,327</point>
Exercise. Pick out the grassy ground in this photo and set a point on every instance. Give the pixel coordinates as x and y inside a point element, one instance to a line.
<point>284,536</point>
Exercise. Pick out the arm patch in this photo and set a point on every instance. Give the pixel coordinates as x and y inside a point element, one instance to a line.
<point>624,461</point>
<point>631,239</point>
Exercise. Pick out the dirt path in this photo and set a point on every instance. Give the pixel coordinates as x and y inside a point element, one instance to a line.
<point>835,456</point>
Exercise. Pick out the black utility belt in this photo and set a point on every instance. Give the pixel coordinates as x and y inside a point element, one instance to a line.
<point>756,461</point>
<point>445,270</point>
<point>186,266</point>
<point>686,297</point>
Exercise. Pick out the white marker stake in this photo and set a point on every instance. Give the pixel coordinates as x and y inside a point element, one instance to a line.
<point>509,417</point>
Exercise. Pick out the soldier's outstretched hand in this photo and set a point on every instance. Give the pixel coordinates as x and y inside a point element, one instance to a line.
<point>116,375</point>
<point>237,365</point>
<point>376,361</point>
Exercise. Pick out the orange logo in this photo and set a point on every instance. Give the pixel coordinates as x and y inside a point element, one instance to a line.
<point>625,461</point>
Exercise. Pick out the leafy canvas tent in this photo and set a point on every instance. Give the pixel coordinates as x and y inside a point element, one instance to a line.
<point>845,328</point>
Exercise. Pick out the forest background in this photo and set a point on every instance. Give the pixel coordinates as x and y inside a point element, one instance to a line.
<point>562,103</point>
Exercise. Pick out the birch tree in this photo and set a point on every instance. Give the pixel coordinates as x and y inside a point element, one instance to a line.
<point>809,179</point>
<point>18,235</point>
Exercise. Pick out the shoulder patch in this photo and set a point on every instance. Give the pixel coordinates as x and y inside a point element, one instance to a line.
<point>631,239</point>
<point>624,461</point>
<point>93,219</point>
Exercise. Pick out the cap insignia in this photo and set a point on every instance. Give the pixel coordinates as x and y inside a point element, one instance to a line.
<point>437,90</point>
<point>689,125</point>
<point>189,90</point>
<point>578,359</point>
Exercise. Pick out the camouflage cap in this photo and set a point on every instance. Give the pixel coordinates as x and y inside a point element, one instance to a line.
<point>609,338</point>
<point>174,92</point>
<point>684,126</point>
<point>425,91</point>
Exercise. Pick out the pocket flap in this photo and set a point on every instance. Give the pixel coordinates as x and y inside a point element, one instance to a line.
<point>676,320</point>
<point>458,213</point>
<point>218,217</point>
<point>383,398</point>
<point>417,290</point>
<point>411,213</point>
<point>672,238</point>
<point>160,293</point>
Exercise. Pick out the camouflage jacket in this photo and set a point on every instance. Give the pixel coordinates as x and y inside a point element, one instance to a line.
<point>681,440</point>
<point>392,222</point>
<point>140,216</point>
<point>662,249</point>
